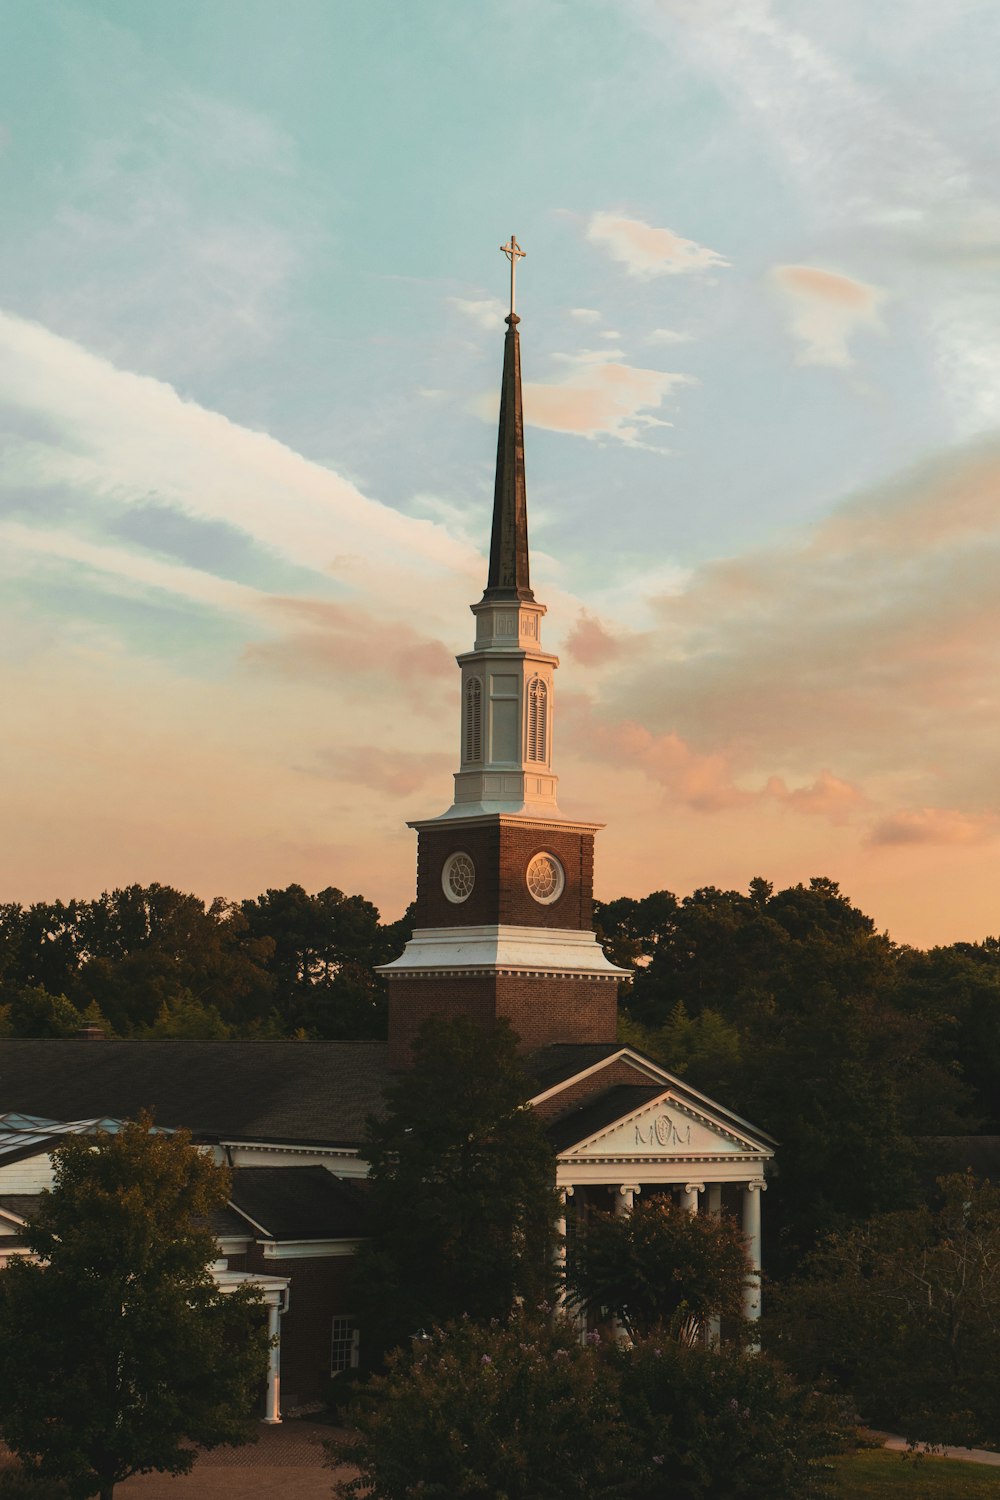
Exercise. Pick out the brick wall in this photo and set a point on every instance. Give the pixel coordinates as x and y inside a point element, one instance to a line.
<point>598,1082</point>
<point>540,1010</point>
<point>321,1287</point>
<point>501,853</point>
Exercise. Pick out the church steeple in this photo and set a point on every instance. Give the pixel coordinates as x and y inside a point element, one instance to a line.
<point>508,576</point>
<point>504,922</point>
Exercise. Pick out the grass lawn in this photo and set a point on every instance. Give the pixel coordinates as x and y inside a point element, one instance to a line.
<point>874,1473</point>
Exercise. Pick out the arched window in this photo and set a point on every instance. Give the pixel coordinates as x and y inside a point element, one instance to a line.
<point>473,719</point>
<point>538,720</point>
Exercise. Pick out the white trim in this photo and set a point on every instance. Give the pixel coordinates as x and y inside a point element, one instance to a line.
<point>709,1122</point>
<point>234,1244</point>
<point>656,1072</point>
<point>503,946</point>
<point>457,817</point>
<point>308,1249</point>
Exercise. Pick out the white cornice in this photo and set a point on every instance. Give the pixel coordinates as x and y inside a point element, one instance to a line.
<point>547,951</point>
<point>464,817</point>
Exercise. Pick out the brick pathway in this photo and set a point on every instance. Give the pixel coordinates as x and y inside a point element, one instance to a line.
<point>286,1462</point>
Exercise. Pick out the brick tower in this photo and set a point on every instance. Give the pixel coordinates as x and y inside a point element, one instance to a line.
<point>504,924</point>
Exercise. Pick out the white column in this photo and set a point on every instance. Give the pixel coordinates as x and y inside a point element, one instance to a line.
<point>560,1250</point>
<point>689,1196</point>
<point>714,1208</point>
<point>751,1228</point>
<point>273,1404</point>
<point>625,1199</point>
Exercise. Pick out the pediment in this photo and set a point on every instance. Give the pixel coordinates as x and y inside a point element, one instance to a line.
<point>664,1129</point>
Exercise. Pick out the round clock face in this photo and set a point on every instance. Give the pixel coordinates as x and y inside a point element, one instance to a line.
<point>458,877</point>
<point>545,878</point>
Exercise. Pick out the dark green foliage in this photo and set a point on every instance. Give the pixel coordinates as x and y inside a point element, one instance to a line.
<point>462,1204</point>
<point>117,1349</point>
<point>519,1410</point>
<point>512,1411</point>
<point>904,1313</point>
<point>153,961</point>
<point>790,1007</point>
<point>658,1265</point>
<point>722,1425</point>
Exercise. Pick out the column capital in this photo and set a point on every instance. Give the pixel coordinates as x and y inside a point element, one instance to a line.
<point>629,1187</point>
<point>755,1185</point>
<point>694,1187</point>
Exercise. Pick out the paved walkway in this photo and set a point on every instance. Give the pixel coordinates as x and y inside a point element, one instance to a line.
<point>970,1455</point>
<point>286,1462</point>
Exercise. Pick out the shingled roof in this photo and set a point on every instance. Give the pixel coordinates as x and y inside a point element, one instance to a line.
<point>317,1092</point>
<point>580,1124</point>
<point>298,1203</point>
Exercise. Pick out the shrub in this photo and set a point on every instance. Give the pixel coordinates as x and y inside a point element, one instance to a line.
<point>512,1411</point>
<point>722,1424</point>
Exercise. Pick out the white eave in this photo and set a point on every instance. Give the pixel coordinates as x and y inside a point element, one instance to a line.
<point>507,949</point>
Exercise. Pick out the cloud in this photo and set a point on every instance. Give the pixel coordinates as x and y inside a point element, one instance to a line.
<point>591,643</point>
<point>584,314</point>
<point>334,641</point>
<point>485,312</point>
<point>668,336</point>
<point>829,796</point>
<point>113,439</point>
<point>935,825</point>
<point>826,311</point>
<point>645,251</point>
<point>601,395</point>
<point>868,643</point>
<point>397,773</point>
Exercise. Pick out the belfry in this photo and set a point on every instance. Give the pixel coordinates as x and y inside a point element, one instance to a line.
<point>504,925</point>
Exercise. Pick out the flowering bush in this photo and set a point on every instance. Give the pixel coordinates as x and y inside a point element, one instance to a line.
<point>514,1411</point>
<point>524,1411</point>
<point>721,1424</point>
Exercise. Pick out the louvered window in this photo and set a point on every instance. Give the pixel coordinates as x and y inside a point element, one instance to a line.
<point>538,723</point>
<point>473,719</point>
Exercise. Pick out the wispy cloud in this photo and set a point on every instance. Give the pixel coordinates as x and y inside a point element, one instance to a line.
<point>826,310</point>
<point>645,251</point>
<point>668,336</point>
<point>485,312</point>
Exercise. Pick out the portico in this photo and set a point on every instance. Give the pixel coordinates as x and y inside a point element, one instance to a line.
<point>657,1136</point>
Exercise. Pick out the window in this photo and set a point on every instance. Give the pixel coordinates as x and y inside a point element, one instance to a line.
<point>343,1346</point>
<point>538,721</point>
<point>545,878</point>
<point>473,719</point>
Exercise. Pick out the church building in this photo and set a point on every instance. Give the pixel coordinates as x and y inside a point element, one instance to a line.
<point>504,930</point>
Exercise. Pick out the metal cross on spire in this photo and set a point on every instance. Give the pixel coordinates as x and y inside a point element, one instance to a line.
<point>514,253</point>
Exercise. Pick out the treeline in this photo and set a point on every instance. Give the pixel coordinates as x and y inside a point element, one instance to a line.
<point>858,1054</point>
<point>150,961</point>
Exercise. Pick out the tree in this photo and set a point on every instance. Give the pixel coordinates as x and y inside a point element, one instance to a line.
<point>324,948</point>
<point>658,1266</point>
<point>116,1347</point>
<point>903,1313</point>
<point>461,1188</point>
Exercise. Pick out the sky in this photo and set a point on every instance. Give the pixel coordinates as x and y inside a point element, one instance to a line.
<point>251,304</point>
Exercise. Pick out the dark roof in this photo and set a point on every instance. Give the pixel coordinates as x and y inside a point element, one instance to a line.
<point>227,1224</point>
<point>593,1116</point>
<point>298,1203</point>
<point>550,1066</point>
<point>21,1204</point>
<point>319,1092</point>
